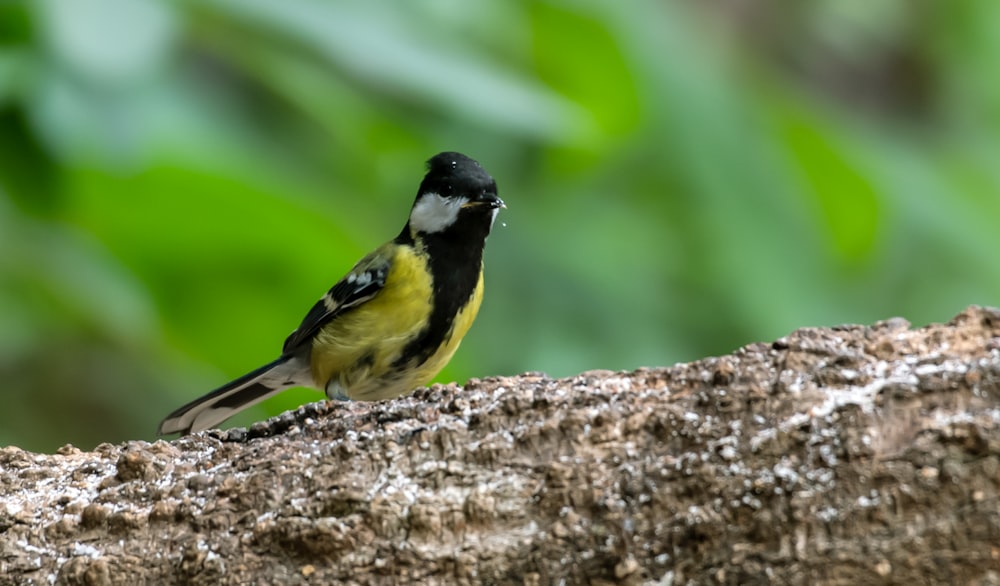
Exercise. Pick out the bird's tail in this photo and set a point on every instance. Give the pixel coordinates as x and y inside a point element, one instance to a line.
<point>224,402</point>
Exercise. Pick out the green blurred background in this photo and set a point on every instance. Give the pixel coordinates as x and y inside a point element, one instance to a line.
<point>179,181</point>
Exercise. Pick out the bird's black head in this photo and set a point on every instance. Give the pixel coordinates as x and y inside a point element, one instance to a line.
<point>456,196</point>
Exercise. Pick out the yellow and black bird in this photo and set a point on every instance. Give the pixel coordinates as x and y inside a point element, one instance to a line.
<point>395,320</point>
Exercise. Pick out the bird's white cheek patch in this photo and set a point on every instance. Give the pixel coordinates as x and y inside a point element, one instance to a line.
<point>433,213</point>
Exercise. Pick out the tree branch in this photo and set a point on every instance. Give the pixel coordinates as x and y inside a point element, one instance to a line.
<point>845,455</point>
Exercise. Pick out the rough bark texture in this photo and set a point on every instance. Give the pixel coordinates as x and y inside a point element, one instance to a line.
<point>850,455</point>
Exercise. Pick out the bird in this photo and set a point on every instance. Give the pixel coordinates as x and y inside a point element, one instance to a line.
<point>397,317</point>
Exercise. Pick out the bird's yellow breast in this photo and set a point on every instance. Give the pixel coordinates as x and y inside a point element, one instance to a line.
<point>356,353</point>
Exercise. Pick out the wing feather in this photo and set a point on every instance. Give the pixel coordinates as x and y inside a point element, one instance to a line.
<point>364,281</point>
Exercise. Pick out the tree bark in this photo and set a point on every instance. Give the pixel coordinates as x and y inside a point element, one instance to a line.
<point>848,455</point>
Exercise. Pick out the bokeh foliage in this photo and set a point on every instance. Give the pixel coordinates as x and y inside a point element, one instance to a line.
<point>180,180</point>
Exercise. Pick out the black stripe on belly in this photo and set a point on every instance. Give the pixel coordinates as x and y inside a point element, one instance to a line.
<point>454,266</point>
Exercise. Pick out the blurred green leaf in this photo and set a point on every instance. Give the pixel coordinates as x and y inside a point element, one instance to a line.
<point>376,47</point>
<point>109,42</point>
<point>846,198</point>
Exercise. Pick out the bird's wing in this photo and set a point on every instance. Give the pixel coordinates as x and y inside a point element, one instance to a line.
<point>364,281</point>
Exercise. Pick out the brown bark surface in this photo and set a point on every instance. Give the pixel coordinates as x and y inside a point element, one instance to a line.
<point>851,455</point>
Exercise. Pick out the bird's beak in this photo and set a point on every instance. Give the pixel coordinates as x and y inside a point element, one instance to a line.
<point>491,201</point>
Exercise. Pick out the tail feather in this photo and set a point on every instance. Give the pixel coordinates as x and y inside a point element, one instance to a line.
<point>212,409</point>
